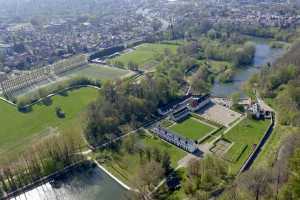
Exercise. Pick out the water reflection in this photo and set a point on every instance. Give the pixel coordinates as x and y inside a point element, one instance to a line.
<point>91,185</point>
<point>264,54</point>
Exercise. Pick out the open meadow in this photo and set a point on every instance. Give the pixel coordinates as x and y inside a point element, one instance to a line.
<point>18,130</point>
<point>99,72</point>
<point>144,54</point>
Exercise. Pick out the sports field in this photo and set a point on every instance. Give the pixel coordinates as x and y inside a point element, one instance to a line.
<point>191,128</point>
<point>125,166</point>
<point>19,129</point>
<point>144,55</point>
<point>100,72</point>
<point>245,136</point>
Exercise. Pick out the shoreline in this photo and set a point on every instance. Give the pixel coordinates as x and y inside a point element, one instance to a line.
<point>112,176</point>
<point>41,181</point>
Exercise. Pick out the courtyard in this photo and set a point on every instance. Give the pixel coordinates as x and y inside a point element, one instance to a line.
<point>192,128</point>
<point>219,114</point>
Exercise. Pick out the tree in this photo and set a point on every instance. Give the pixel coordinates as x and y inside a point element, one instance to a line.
<point>133,66</point>
<point>166,162</point>
<point>59,112</point>
<point>150,175</point>
<point>256,183</point>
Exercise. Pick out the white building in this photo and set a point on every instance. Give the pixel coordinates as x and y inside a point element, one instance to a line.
<point>181,142</point>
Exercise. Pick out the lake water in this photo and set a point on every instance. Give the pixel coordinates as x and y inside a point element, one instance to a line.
<point>264,54</point>
<point>91,185</point>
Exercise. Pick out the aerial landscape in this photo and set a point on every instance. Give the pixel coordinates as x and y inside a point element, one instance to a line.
<point>150,99</point>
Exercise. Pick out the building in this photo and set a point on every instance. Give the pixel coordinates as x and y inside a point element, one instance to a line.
<point>196,103</point>
<point>259,112</point>
<point>192,102</point>
<point>181,142</point>
<point>180,114</point>
<point>173,105</point>
<point>3,76</point>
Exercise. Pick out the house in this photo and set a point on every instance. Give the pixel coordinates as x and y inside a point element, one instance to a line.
<point>260,112</point>
<point>179,141</point>
<point>196,103</point>
<point>180,114</point>
<point>192,102</point>
<point>169,107</point>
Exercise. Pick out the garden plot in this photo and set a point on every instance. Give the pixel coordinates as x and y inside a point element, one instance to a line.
<point>220,147</point>
<point>219,114</point>
<point>192,128</point>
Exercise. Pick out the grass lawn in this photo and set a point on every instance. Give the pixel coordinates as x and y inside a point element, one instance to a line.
<point>100,72</point>
<point>125,166</point>
<point>234,153</point>
<point>19,129</point>
<point>191,128</point>
<point>248,132</point>
<point>144,54</point>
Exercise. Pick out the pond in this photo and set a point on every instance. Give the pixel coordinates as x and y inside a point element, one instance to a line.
<point>93,184</point>
<point>264,54</point>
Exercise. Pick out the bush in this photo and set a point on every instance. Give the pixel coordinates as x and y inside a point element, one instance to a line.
<point>60,113</point>
<point>21,104</point>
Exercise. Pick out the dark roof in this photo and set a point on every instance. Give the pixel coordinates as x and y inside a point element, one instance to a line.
<point>180,111</point>
<point>171,104</point>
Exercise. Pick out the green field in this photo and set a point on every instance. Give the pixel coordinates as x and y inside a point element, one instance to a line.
<point>191,128</point>
<point>248,132</point>
<point>235,152</point>
<point>99,72</point>
<point>144,55</point>
<point>125,166</point>
<point>19,129</point>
